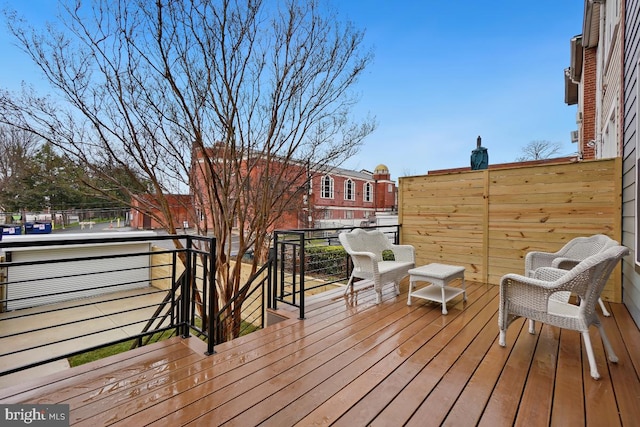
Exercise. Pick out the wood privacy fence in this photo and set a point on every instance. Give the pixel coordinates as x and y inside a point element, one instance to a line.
<point>488,220</point>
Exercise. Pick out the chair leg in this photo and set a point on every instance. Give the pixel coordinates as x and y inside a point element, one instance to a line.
<point>592,359</point>
<point>349,283</point>
<point>603,308</point>
<point>503,338</point>
<point>532,327</point>
<point>613,358</point>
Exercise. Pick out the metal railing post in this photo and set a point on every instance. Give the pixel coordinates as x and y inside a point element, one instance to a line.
<point>303,255</point>
<point>273,253</point>
<point>186,291</point>
<point>213,298</point>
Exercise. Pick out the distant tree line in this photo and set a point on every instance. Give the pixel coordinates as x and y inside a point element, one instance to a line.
<point>34,176</point>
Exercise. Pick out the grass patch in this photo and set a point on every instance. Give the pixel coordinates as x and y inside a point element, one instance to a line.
<point>114,349</point>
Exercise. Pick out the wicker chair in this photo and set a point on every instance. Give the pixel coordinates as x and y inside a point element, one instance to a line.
<point>530,297</point>
<point>568,257</point>
<point>365,249</point>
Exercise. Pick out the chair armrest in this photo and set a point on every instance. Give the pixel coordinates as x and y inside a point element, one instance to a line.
<point>565,263</point>
<point>534,260</point>
<point>365,262</point>
<point>403,253</point>
<point>549,274</point>
<point>530,292</point>
<point>365,256</point>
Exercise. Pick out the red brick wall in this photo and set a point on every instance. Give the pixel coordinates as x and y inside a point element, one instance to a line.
<point>589,103</point>
<point>181,206</point>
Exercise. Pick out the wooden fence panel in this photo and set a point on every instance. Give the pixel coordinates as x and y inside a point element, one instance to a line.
<point>488,220</point>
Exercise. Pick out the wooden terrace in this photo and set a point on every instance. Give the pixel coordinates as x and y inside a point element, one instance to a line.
<point>354,363</point>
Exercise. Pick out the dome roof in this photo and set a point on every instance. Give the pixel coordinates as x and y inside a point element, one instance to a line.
<point>381,169</point>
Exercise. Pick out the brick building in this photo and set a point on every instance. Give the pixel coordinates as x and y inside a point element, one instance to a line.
<point>346,197</point>
<point>333,198</point>
<point>145,209</point>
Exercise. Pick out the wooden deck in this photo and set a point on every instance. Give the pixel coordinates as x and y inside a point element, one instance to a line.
<point>354,363</point>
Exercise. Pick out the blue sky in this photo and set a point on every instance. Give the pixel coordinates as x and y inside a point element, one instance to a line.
<point>448,71</point>
<point>444,72</point>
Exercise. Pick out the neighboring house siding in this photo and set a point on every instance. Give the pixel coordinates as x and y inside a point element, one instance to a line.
<point>631,157</point>
<point>610,51</point>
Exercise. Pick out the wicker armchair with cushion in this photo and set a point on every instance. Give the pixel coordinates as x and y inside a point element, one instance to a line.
<point>568,257</point>
<point>531,297</point>
<point>365,249</point>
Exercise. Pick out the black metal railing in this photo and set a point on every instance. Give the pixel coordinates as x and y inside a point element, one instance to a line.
<point>245,311</point>
<point>303,262</point>
<point>63,297</point>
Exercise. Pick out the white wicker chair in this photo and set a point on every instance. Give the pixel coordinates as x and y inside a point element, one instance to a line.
<point>568,257</point>
<point>365,249</point>
<point>530,297</point>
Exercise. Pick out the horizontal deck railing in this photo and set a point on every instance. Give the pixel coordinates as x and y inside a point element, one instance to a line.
<point>63,297</point>
<point>302,262</point>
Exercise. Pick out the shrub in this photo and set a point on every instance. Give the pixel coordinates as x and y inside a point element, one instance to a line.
<point>326,260</point>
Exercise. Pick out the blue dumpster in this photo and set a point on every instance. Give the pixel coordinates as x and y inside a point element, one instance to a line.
<point>11,229</point>
<point>37,227</point>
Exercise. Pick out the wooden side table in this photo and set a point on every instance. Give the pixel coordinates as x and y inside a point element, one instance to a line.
<point>439,275</point>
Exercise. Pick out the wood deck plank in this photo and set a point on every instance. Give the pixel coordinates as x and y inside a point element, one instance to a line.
<point>433,361</point>
<point>624,377</point>
<point>437,405</point>
<point>42,389</point>
<point>503,406</point>
<point>471,403</point>
<point>600,406</point>
<point>333,373</point>
<point>340,391</point>
<point>537,397</point>
<point>357,389</point>
<point>352,362</point>
<point>568,406</point>
<point>275,394</point>
<point>299,344</point>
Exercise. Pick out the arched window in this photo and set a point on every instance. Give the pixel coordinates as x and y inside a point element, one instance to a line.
<point>367,194</point>
<point>349,190</point>
<point>327,187</point>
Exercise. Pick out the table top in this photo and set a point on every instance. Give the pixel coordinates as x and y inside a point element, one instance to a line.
<point>436,270</point>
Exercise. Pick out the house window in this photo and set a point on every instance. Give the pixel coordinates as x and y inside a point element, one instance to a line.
<point>348,214</point>
<point>390,188</point>
<point>327,187</point>
<point>349,190</point>
<point>368,192</point>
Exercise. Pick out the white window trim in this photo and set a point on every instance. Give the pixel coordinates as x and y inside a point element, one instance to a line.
<point>349,189</point>
<point>367,192</point>
<point>323,194</point>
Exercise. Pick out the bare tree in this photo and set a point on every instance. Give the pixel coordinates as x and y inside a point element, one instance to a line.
<point>246,95</point>
<point>538,150</point>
